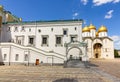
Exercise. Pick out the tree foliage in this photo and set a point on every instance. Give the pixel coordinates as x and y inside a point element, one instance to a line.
<point>116,53</point>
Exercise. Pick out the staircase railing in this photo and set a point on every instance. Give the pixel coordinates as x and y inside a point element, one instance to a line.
<point>46,53</point>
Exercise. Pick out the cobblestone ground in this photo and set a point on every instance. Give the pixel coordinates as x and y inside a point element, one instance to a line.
<point>53,74</point>
<point>109,66</point>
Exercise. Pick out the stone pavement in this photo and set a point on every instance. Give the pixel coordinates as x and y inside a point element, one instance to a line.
<point>111,66</point>
<point>53,74</point>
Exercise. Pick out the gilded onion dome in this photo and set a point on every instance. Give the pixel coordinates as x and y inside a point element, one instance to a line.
<point>102,29</point>
<point>97,34</point>
<point>1,8</point>
<point>86,29</point>
<point>92,27</point>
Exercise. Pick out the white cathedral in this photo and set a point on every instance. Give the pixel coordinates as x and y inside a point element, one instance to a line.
<point>50,42</point>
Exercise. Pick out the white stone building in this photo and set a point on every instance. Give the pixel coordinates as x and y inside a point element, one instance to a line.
<point>52,42</point>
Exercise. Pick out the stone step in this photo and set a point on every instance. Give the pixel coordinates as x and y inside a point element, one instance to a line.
<point>76,64</point>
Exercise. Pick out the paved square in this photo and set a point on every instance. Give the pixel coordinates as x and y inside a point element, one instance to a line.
<point>53,74</point>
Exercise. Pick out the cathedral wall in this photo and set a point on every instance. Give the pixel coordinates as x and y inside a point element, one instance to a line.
<point>109,49</point>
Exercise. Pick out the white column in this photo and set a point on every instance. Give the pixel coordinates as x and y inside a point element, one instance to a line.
<point>85,57</point>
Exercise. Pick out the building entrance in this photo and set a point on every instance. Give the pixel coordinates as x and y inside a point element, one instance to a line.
<point>96,55</point>
<point>74,53</point>
<point>76,50</point>
<point>97,50</point>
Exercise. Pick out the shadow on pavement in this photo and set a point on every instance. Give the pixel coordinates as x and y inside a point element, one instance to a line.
<point>92,65</point>
<point>65,80</point>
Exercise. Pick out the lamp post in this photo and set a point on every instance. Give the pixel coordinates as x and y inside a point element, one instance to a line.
<point>28,57</point>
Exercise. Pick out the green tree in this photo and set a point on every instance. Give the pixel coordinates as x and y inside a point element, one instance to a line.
<point>116,53</point>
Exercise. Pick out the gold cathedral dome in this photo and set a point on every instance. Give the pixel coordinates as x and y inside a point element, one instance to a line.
<point>102,29</point>
<point>92,27</point>
<point>97,34</point>
<point>1,8</point>
<point>86,29</point>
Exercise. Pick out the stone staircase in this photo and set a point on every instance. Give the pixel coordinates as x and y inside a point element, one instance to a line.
<point>76,63</point>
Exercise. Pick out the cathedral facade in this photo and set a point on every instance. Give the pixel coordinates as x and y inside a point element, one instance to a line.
<point>99,44</point>
<point>53,42</point>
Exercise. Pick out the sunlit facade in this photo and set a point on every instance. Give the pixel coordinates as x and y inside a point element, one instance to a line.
<point>99,44</point>
<point>50,42</point>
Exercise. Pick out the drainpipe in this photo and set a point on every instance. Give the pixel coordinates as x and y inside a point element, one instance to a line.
<point>10,56</point>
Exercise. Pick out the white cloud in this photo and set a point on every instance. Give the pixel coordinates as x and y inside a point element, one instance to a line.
<point>75,15</point>
<point>116,1</point>
<point>109,14</point>
<point>116,40</point>
<point>101,2</point>
<point>84,2</point>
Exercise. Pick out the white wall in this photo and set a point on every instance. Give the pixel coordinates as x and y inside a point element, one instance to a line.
<point>45,30</point>
<point>37,51</point>
<point>108,50</point>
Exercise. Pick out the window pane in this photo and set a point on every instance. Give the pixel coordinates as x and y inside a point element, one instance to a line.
<point>5,56</point>
<point>26,57</point>
<point>16,57</point>
<point>16,29</point>
<point>72,39</point>
<point>44,41</point>
<point>29,30</point>
<point>65,32</point>
<point>23,29</point>
<point>8,29</point>
<point>31,40</point>
<point>58,40</point>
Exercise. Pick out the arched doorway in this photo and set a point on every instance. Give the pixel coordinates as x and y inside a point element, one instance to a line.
<point>74,53</point>
<point>76,50</point>
<point>96,55</point>
<point>97,50</point>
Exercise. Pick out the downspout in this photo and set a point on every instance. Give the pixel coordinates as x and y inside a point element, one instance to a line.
<point>10,56</point>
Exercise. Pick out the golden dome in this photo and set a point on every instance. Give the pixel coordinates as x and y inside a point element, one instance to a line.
<point>97,34</point>
<point>86,29</point>
<point>1,8</point>
<point>102,29</point>
<point>92,27</point>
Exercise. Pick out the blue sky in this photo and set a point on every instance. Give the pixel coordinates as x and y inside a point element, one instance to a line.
<point>98,12</point>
